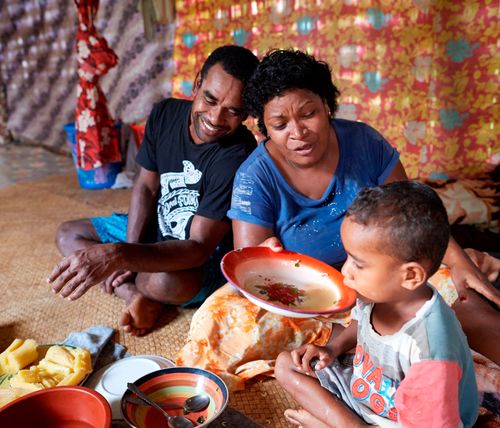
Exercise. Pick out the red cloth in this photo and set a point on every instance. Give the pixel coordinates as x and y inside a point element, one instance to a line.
<point>97,139</point>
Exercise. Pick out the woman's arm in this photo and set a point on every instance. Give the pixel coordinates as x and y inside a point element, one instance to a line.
<point>249,235</point>
<point>465,274</point>
<point>398,173</point>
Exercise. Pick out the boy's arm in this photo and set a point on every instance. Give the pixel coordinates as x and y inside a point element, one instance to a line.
<point>308,358</point>
<point>343,339</point>
<point>429,396</point>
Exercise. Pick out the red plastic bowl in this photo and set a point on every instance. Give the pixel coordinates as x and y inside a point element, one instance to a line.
<point>59,407</point>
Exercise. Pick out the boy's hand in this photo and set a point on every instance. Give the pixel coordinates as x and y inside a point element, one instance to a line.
<point>303,356</point>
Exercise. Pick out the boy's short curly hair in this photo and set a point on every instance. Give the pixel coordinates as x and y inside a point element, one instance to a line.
<point>412,216</point>
<point>282,70</point>
<point>237,61</point>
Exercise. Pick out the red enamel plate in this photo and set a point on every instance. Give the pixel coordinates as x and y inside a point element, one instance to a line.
<point>287,283</point>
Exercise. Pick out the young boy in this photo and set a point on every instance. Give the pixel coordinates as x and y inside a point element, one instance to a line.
<point>412,365</point>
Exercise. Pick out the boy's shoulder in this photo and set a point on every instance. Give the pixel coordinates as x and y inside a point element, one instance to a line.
<point>440,331</point>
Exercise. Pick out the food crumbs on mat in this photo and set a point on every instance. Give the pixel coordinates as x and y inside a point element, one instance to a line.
<point>297,263</point>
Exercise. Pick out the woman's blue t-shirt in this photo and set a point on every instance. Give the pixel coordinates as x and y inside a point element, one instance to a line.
<point>262,196</point>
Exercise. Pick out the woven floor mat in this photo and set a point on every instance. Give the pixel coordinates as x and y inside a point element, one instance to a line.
<point>29,215</point>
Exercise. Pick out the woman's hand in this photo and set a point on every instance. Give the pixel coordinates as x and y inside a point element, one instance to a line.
<point>488,265</point>
<point>467,276</point>
<point>303,356</point>
<point>273,243</point>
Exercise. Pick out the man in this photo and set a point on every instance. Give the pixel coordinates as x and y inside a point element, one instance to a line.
<point>188,158</point>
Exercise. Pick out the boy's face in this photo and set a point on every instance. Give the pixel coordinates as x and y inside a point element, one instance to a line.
<point>375,275</point>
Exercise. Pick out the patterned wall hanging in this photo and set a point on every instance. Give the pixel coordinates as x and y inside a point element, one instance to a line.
<point>424,73</point>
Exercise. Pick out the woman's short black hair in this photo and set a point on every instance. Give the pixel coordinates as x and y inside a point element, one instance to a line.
<point>237,61</point>
<point>284,69</point>
<point>413,218</point>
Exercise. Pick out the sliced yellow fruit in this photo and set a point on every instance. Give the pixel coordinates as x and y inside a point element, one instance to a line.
<point>73,379</point>
<point>19,354</point>
<point>60,355</point>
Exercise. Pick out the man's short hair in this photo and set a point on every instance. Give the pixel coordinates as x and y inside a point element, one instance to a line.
<point>412,216</point>
<point>237,61</point>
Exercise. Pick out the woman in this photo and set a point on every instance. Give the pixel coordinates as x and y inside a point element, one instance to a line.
<point>293,191</point>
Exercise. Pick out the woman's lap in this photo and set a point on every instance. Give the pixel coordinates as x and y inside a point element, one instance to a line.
<point>238,340</point>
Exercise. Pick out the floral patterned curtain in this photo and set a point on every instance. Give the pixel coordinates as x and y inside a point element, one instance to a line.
<point>38,66</point>
<point>422,72</point>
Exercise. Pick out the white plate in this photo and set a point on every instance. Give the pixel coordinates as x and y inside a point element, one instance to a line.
<point>111,381</point>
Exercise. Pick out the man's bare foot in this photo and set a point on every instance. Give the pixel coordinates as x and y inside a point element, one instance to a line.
<point>303,419</point>
<point>140,315</point>
<point>116,280</point>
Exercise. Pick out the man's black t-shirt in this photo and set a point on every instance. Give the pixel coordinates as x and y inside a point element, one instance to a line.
<point>195,178</point>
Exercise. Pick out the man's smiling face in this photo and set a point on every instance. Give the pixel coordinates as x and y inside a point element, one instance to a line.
<point>217,109</point>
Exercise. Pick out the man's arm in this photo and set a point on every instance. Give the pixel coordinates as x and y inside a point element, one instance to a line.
<point>142,204</point>
<point>75,274</point>
<point>167,256</point>
<point>142,209</point>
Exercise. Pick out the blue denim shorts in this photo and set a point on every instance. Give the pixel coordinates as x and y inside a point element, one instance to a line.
<point>114,229</point>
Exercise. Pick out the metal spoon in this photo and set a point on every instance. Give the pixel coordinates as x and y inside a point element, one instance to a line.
<point>172,421</point>
<point>192,404</point>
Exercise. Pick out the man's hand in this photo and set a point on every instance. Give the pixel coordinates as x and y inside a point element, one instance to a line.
<point>73,276</point>
<point>467,276</point>
<point>303,356</point>
<point>118,278</point>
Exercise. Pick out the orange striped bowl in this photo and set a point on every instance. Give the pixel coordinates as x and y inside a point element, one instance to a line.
<point>175,385</point>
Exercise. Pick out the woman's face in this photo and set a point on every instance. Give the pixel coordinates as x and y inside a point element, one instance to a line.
<point>298,123</point>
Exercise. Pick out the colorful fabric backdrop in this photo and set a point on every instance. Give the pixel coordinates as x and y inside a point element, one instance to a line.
<point>422,72</point>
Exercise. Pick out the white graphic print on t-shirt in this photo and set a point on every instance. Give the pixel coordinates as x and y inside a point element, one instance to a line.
<point>177,204</point>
